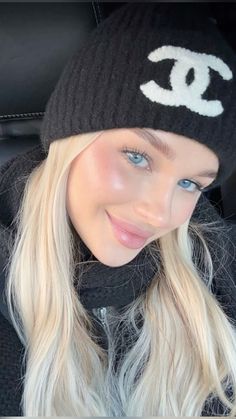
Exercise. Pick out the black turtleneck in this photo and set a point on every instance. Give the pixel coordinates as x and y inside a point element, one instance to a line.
<point>99,285</point>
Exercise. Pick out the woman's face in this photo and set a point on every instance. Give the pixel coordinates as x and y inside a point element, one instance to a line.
<point>111,181</point>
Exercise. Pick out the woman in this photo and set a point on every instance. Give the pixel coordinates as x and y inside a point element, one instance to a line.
<point>116,280</point>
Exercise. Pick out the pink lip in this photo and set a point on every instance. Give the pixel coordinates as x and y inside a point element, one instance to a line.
<point>130,228</point>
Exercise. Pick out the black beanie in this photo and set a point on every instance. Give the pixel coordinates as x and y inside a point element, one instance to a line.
<point>150,65</point>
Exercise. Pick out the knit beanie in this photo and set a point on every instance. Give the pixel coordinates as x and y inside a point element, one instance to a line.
<point>151,65</point>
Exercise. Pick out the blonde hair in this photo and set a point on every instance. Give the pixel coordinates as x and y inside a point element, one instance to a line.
<point>184,352</point>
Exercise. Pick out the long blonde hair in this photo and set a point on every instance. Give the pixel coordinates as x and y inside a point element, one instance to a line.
<point>183,353</point>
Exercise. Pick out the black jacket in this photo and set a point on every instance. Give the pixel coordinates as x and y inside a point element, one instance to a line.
<point>11,349</point>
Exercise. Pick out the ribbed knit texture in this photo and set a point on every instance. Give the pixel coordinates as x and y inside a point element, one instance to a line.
<point>100,86</point>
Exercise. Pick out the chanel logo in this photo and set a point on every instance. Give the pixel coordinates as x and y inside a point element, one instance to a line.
<point>182,93</point>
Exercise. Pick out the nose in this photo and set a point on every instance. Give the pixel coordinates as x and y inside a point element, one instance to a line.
<point>155,205</point>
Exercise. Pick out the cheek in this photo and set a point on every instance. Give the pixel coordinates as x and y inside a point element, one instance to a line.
<point>184,210</point>
<point>181,214</point>
<point>105,172</point>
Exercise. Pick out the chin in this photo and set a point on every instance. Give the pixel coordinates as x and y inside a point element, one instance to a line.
<point>115,262</point>
<point>115,265</point>
<point>111,263</point>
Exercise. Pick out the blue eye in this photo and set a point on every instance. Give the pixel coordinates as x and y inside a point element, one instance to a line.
<point>137,156</point>
<point>196,186</point>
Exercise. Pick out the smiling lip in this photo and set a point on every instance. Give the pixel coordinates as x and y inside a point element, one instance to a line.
<point>130,228</point>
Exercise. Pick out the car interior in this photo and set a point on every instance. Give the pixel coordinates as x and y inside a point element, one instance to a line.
<point>36,42</point>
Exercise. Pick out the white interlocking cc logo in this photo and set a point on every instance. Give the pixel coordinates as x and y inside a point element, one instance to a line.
<point>182,93</point>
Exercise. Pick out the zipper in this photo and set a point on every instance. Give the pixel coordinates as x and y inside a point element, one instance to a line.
<point>101,313</point>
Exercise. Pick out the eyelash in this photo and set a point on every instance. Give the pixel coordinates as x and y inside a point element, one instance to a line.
<point>126,150</point>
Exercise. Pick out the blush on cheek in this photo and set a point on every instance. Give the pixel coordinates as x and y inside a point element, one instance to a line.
<point>108,171</point>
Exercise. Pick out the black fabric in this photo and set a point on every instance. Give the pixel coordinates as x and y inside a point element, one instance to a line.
<point>101,285</point>
<point>11,370</point>
<point>151,65</point>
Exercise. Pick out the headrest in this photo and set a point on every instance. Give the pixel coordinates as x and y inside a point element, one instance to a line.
<point>37,40</point>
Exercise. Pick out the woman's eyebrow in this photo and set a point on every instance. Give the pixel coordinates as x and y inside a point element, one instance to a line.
<point>165,149</point>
